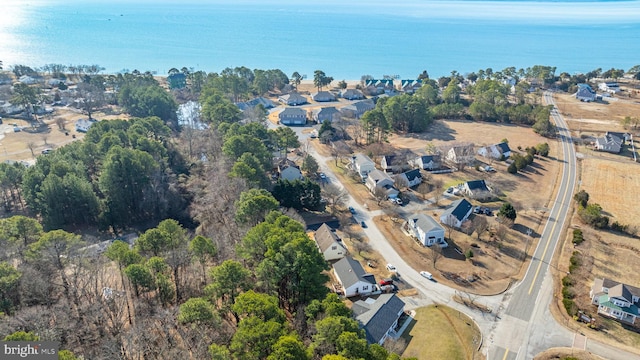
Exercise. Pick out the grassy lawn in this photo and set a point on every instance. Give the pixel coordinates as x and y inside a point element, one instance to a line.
<point>440,332</point>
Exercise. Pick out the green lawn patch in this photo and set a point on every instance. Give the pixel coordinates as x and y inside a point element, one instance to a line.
<point>440,332</point>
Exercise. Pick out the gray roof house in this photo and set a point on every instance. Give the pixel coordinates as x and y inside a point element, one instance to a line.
<point>266,103</point>
<point>288,170</point>
<point>616,300</point>
<point>292,99</point>
<point>477,189</point>
<point>409,86</point>
<point>585,93</point>
<point>378,317</point>
<point>352,277</point>
<point>329,243</point>
<point>352,94</point>
<point>411,178</point>
<point>377,180</point>
<point>426,162</point>
<point>357,109</point>
<point>457,213</point>
<point>426,230</point>
<point>610,142</point>
<point>393,163</point>
<point>323,96</point>
<point>293,116</point>
<point>461,155</point>
<point>325,114</point>
<point>362,164</point>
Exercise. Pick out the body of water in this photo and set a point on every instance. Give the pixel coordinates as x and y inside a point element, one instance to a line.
<point>344,39</point>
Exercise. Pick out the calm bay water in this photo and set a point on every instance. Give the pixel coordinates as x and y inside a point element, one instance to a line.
<point>344,40</point>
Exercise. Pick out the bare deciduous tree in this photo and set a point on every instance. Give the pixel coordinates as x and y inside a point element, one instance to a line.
<point>335,196</point>
<point>31,145</point>
<point>480,225</point>
<point>61,123</point>
<point>434,254</point>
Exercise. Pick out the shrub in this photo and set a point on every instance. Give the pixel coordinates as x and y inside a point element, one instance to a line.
<point>582,198</point>
<point>469,254</point>
<point>512,169</point>
<point>577,237</point>
<point>570,306</point>
<point>567,293</point>
<point>567,281</point>
<point>543,149</point>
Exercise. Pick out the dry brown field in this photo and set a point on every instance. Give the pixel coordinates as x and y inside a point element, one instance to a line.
<point>563,353</point>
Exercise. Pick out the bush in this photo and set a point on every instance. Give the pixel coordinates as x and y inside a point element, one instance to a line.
<point>582,198</point>
<point>543,149</point>
<point>570,306</point>
<point>567,281</point>
<point>512,169</point>
<point>577,237</point>
<point>616,226</point>
<point>567,293</point>
<point>469,254</point>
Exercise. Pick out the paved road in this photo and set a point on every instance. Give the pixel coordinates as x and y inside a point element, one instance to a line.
<point>520,325</point>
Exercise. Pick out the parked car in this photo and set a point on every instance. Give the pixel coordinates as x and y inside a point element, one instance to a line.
<point>352,210</point>
<point>477,210</point>
<point>46,151</point>
<point>363,224</point>
<point>488,211</point>
<point>489,169</point>
<point>385,282</point>
<point>323,176</point>
<point>426,274</point>
<point>450,190</point>
<point>391,267</point>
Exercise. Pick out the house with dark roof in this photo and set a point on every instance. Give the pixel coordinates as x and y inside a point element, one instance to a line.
<point>266,103</point>
<point>323,96</point>
<point>177,81</point>
<point>426,162</point>
<point>329,244</point>
<point>352,94</point>
<point>411,178</point>
<point>352,277</point>
<point>426,230</point>
<point>292,116</point>
<point>325,114</point>
<point>616,300</point>
<point>585,93</point>
<point>393,163</point>
<point>292,99</point>
<point>378,316</point>
<point>496,151</point>
<point>379,86</point>
<point>409,86</point>
<point>457,213</point>
<point>477,189</point>
<point>611,142</point>
<point>381,181</point>
<point>357,109</point>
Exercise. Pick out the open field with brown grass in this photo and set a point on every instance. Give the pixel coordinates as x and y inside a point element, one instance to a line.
<point>564,353</point>
<point>457,337</point>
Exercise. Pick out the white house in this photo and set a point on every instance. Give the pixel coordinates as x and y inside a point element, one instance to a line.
<point>426,162</point>
<point>329,243</point>
<point>411,178</point>
<point>352,94</point>
<point>288,170</point>
<point>325,114</point>
<point>83,125</point>
<point>612,142</point>
<point>460,156</point>
<point>477,189</point>
<point>363,165</point>
<point>379,180</point>
<point>610,87</point>
<point>378,317</point>
<point>352,277</point>
<point>426,230</point>
<point>496,151</point>
<point>616,300</point>
<point>457,213</point>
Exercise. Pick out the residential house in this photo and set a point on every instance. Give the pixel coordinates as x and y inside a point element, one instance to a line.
<point>323,96</point>
<point>610,142</point>
<point>409,86</point>
<point>266,103</point>
<point>411,178</point>
<point>477,189</point>
<point>352,277</point>
<point>378,317</point>
<point>610,87</point>
<point>585,93</point>
<point>460,156</point>
<point>288,170</point>
<point>325,114</point>
<point>616,300</point>
<point>381,181</point>
<point>393,163</point>
<point>498,151</point>
<point>177,81</point>
<point>340,147</point>
<point>357,109</point>
<point>292,99</point>
<point>352,94</point>
<point>457,213</point>
<point>426,230</point>
<point>83,125</point>
<point>293,116</point>
<point>376,87</point>
<point>426,162</point>
<point>362,164</point>
<point>329,243</point>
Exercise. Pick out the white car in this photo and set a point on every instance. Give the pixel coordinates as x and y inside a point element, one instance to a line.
<point>391,267</point>
<point>426,274</point>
